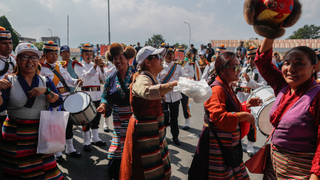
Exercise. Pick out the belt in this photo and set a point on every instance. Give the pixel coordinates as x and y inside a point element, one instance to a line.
<point>62,90</point>
<point>245,89</point>
<point>90,88</point>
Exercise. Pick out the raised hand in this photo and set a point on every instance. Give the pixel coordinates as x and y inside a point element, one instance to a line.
<point>4,83</point>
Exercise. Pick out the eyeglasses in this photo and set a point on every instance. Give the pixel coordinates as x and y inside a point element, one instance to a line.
<point>158,56</point>
<point>236,67</point>
<point>26,57</point>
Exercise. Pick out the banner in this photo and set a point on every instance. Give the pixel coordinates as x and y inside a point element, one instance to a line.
<point>103,49</point>
<point>179,56</point>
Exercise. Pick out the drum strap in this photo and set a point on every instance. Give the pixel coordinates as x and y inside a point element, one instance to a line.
<point>60,77</point>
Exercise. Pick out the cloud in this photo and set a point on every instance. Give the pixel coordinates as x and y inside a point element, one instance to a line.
<point>3,8</point>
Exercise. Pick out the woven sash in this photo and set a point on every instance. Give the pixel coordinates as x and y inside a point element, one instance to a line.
<point>170,73</point>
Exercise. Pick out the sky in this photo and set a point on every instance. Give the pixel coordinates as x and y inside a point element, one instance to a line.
<point>133,21</point>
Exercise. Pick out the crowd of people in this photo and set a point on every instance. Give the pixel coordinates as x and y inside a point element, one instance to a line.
<point>139,98</point>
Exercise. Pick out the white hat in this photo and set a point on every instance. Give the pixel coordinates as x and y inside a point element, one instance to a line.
<point>147,51</point>
<point>27,47</point>
<point>201,53</point>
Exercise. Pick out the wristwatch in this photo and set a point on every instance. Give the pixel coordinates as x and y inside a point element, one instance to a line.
<point>48,91</point>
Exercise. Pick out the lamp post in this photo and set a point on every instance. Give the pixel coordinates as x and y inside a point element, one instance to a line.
<point>189,33</point>
<point>109,21</point>
<point>50,31</point>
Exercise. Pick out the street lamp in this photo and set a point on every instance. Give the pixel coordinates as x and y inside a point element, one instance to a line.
<point>189,33</point>
<point>109,21</point>
<point>50,31</point>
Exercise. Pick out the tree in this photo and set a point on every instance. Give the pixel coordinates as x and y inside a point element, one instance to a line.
<point>39,45</point>
<point>306,32</point>
<point>182,44</point>
<point>156,39</point>
<point>250,43</point>
<point>81,44</point>
<point>6,24</point>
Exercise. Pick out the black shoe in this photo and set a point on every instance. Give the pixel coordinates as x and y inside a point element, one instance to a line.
<point>106,129</point>
<point>59,159</point>
<point>176,141</point>
<point>74,154</point>
<point>87,148</point>
<point>99,143</point>
<point>186,128</point>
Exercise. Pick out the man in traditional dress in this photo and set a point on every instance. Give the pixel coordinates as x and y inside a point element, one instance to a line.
<point>62,80</point>
<point>7,61</point>
<point>250,79</point>
<point>91,73</point>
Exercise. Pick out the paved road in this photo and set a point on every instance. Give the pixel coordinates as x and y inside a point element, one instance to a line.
<point>93,165</point>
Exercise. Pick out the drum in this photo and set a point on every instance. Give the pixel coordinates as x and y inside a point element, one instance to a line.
<point>81,108</point>
<point>261,113</point>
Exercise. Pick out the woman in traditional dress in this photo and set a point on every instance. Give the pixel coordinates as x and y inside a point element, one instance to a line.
<point>24,95</point>
<point>224,114</point>
<point>295,150</point>
<point>116,96</point>
<point>145,153</point>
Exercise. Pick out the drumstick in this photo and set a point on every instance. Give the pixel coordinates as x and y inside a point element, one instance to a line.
<point>77,86</point>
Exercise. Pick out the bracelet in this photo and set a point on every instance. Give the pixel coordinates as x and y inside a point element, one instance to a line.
<point>170,86</point>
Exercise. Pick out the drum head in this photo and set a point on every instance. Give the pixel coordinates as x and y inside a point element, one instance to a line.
<point>77,102</point>
<point>264,124</point>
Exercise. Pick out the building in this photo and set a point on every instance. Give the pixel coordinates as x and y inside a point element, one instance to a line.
<point>279,45</point>
<point>55,39</point>
<point>24,39</point>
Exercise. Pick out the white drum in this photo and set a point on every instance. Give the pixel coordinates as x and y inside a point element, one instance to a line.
<point>261,113</point>
<point>81,108</point>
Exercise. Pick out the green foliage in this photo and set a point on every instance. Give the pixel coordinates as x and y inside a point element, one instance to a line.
<point>6,24</point>
<point>177,45</point>
<point>39,45</point>
<point>156,39</point>
<point>250,43</point>
<point>81,44</point>
<point>306,32</point>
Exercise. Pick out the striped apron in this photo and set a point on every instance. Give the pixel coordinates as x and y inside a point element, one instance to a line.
<point>288,165</point>
<point>18,152</point>
<point>121,116</point>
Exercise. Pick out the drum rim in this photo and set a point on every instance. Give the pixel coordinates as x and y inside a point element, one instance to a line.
<point>262,108</point>
<point>84,108</point>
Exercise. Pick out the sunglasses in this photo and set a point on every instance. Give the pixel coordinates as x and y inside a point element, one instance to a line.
<point>26,57</point>
<point>251,58</point>
<point>236,67</point>
<point>158,56</point>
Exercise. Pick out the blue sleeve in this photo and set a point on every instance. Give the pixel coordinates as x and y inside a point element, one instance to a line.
<point>5,97</point>
<point>105,92</point>
<point>53,88</point>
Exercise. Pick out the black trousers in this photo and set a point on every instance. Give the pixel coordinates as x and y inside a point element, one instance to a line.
<point>185,106</point>
<point>174,113</point>
<point>94,124</point>
<point>252,135</point>
<point>114,168</point>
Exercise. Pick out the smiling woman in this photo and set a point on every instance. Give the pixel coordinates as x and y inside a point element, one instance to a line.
<point>24,95</point>
<point>295,113</point>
